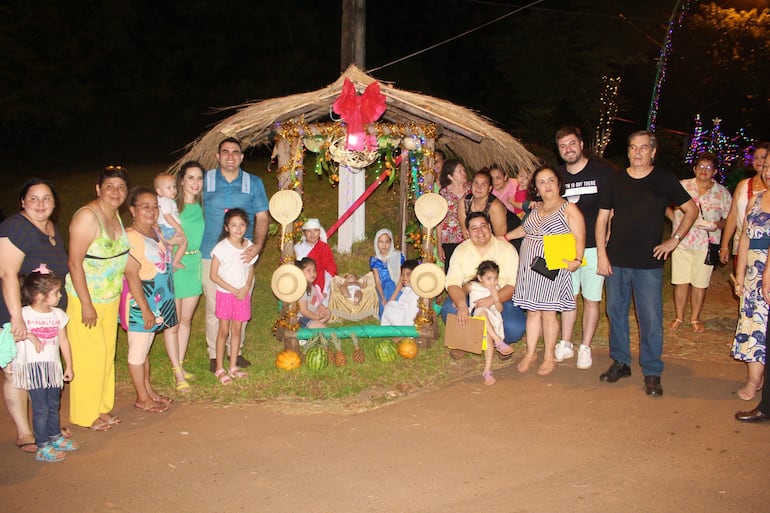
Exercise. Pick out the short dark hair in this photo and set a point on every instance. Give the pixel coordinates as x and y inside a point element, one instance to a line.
<point>229,140</point>
<point>38,283</point>
<point>486,266</point>
<point>26,186</point>
<point>568,130</point>
<point>113,172</point>
<point>474,215</point>
<point>648,133</point>
<point>410,264</point>
<point>532,191</point>
<point>133,194</point>
<point>707,157</point>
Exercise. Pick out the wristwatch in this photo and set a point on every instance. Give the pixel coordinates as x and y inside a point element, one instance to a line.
<point>677,237</point>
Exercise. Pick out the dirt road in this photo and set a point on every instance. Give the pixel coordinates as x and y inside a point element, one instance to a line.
<point>527,444</point>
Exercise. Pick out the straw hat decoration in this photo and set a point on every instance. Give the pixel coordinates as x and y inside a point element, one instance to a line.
<point>427,280</point>
<point>288,283</point>
<point>285,206</point>
<point>430,209</point>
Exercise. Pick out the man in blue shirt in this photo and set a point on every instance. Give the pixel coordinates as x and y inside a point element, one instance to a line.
<point>226,187</point>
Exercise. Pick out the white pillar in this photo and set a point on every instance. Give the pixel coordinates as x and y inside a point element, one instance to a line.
<point>352,185</point>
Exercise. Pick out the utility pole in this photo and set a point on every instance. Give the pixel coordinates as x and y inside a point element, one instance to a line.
<point>352,181</point>
<point>353,42</point>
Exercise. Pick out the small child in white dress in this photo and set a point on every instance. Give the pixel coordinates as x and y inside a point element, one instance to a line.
<point>168,217</point>
<point>485,286</point>
<point>403,306</point>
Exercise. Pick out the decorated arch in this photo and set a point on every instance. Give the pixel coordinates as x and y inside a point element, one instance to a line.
<point>307,137</point>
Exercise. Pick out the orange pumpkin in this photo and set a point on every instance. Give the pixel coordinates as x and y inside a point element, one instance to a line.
<point>407,348</point>
<point>287,360</point>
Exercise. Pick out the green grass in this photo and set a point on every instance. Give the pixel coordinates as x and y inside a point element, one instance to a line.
<point>372,382</point>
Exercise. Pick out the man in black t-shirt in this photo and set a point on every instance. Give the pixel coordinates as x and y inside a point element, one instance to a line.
<point>583,179</point>
<point>632,261</point>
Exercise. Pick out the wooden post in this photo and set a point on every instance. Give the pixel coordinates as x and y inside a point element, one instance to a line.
<point>403,199</point>
<point>353,37</point>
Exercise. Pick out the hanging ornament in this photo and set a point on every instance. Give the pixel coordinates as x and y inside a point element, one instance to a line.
<point>358,111</point>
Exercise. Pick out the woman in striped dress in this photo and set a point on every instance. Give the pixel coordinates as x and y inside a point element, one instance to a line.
<point>542,297</point>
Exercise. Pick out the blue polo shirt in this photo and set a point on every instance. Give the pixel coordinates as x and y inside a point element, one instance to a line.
<point>246,192</point>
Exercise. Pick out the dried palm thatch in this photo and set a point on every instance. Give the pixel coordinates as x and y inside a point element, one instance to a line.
<point>474,138</point>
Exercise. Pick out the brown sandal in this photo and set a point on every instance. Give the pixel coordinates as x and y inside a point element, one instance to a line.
<point>697,326</point>
<point>676,324</point>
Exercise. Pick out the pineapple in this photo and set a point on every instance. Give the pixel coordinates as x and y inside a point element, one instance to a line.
<point>340,359</point>
<point>329,348</point>
<point>358,354</point>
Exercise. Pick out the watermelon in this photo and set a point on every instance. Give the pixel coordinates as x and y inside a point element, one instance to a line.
<point>317,358</point>
<point>385,351</point>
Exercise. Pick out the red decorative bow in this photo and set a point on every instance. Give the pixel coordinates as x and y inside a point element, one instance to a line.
<point>358,111</point>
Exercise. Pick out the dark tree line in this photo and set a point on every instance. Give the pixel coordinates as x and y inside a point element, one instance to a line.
<point>89,81</point>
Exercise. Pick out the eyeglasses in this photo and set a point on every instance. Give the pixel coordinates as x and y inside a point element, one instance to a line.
<point>704,167</point>
<point>642,148</point>
<point>116,168</point>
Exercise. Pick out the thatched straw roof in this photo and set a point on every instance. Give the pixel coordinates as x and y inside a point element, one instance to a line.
<point>472,137</point>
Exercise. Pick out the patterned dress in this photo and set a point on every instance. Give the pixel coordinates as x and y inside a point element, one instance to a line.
<point>749,344</point>
<point>534,291</point>
<point>156,274</point>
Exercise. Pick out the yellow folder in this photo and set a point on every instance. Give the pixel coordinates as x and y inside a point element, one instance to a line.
<point>558,247</point>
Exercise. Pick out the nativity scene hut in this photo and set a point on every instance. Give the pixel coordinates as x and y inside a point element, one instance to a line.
<point>387,132</point>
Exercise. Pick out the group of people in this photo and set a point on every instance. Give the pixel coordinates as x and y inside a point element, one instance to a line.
<point>70,299</point>
<point>616,220</point>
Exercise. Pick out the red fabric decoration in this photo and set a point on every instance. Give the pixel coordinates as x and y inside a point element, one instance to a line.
<point>358,111</point>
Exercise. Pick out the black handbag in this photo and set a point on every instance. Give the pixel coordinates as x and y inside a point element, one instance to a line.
<point>712,255</point>
<point>540,267</point>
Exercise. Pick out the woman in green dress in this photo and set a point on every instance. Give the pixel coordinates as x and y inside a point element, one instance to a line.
<point>187,281</point>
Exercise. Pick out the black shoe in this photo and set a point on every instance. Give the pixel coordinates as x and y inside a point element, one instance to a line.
<point>213,365</point>
<point>755,415</point>
<point>616,371</point>
<point>242,362</point>
<point>652,386</point>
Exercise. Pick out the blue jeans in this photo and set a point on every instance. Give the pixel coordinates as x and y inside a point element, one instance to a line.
<point>514,319</point>
<point>45,414</point>
<point>646,285</point>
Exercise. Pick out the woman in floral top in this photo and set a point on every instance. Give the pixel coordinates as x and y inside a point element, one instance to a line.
<point>454,187</point>
<point>689,274</point>
<point>98,251</point>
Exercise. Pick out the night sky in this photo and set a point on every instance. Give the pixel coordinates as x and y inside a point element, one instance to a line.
<point>87,82</point>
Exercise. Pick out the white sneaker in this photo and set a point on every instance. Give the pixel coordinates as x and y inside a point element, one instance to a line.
<point>563,350</point>
<point>584,360</point>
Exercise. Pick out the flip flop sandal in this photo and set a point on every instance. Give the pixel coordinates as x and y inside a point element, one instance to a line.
<point>28,447</point>
<point>163,400</point>
<point>50,455</point>
<point>697,326</point>
<point>64,444</point>
<point>111,420</point>
<point>236,373</point>
<point>488,378</point>
<point>223,378</point>
<point>153,407</point>
<point>100,426</point>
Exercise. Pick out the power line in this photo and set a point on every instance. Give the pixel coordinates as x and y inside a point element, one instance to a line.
<point>458,36</point>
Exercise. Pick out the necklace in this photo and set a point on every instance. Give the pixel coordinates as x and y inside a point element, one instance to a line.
<point>109,220</point>
<point>47,229</point>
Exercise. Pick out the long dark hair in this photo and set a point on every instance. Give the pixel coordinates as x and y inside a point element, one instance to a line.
<point>180,178</point>
<point>233,212</point>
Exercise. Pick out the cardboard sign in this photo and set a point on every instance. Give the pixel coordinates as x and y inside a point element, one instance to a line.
<point>472,338</point>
